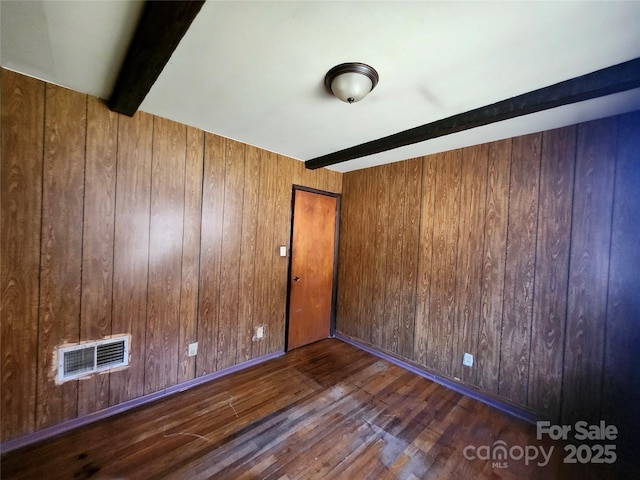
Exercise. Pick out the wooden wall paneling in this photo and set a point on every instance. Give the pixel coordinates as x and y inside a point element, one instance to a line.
<point>393,257</point>
<point>265,248</point>
<point>272,308</point>
<point>21,209</point>
<point>75,228</point>
<point>334,181</point>
<point>621,380</point>
<point>231,249</point>
<point>61,250</point>
<point>323,179</point>
<point>520,267</point>
<point>345,305</point>
<point>210,253</point>
<point>349,302</point>
<point>351,225</point>
<point>306,177</point>
<point>473,199</point>
<point>425,259</point>
<point>320,179</point>
<point>440,329</point>
<point>366,277</point>
<point>260,265</point>
<point>589,270</point>
<point>381,215</point>
<point>317,179</point>
<point>131,250</point>
<point>190,252</point>
<point>329,177</point>
<point>299,173</point>
<point>410,243</point>
<point>282,224</point>
<point>358,222</point>
<point>551,271</point>
<point>247,312</point>
<point>165,254</point>
<point>487,360</point>
<point>97,243</point>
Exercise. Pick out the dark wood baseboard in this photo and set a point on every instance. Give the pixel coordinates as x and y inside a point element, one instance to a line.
<point>501,405</point>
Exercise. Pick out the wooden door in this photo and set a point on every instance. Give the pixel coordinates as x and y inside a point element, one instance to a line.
<point>311,282</point>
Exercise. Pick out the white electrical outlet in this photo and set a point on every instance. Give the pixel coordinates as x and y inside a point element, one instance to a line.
<point>193,349</point>
<point>467,360</point>
<point>260,332</point>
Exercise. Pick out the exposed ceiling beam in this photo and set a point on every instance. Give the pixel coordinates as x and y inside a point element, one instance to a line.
<point>161,27</point>
<point>618,78</point>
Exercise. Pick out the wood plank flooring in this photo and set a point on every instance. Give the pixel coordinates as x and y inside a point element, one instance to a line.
<point>323,411</point>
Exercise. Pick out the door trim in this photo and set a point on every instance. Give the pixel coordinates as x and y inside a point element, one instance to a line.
<point>334,287</point>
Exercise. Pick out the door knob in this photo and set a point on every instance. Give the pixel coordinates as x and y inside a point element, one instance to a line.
<point>295,279</point>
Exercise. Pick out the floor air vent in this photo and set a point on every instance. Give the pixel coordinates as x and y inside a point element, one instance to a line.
<point>91,357</point>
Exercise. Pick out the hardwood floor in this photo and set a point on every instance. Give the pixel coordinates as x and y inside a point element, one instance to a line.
<point>323,411</point>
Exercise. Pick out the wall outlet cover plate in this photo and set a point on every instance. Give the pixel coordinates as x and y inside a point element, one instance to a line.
<point>467,360</point>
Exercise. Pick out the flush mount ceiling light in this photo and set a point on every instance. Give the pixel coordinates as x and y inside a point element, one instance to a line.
<point>351,82</point>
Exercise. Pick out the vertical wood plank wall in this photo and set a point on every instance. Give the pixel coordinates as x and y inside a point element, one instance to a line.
<point>133,225</point>
<point>526,252</point>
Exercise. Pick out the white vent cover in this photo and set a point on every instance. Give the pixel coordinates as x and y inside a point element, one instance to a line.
<point>90,357</point>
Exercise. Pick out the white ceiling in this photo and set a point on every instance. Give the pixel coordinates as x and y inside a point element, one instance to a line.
<point>254,71</point>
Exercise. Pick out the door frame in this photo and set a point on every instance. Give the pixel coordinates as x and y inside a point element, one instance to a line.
<point>334,286</point>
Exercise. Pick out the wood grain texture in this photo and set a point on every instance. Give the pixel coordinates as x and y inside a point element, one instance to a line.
<point>493,268</point>
<point>380,176</point>
<point>552,270</point>
<point>410,242</point>
<point>470,255</point>
<point>210,254</point>
<point>282,236</point>
<point>131,250</point>
<point>97,243</point>
<point>61,248</point>
<point>353,270</point>
<point>165,255</point>
<point>425,259</point>
<point>320,179</point>
<point>600,333</point>
<point>272,242</point>
<point>354,266</point>
<point>366,271</point>
<point>21,206</point>
<point>231,249</point>
<point>247,312</point>
<point>324,411</point>
<point>520,289</point>
<point>589,270</point>
<point>109,226</point>
<point>520,267</point>
<point>621,379</point>
<point>393,257</point>
<point>190,252</point>
<point>347,305</point>
<point>264,248</point>
<point>440,327</point>
<point>312,264</point>
<point>334,181</point>
<point>299,172</point>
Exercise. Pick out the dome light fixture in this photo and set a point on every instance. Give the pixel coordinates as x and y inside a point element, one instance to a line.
<point>351,82</point>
